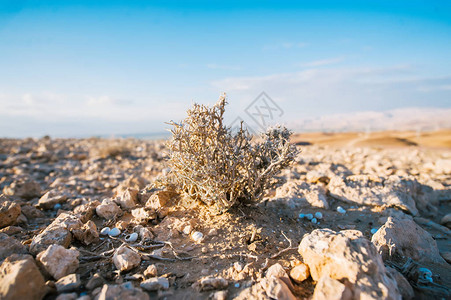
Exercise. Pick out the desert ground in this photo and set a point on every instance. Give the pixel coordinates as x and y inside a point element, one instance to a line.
<point>356,216</point>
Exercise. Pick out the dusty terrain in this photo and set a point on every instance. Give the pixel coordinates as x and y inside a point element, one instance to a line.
<point>376,201</point>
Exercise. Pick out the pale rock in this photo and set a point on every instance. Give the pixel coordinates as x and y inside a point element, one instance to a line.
<point>125,258</point>
<point>32,212</point>
<point>210,283</point>
<point>22,220</point>
<point>49,199</point>
<point>50,236</point>
<point>67,296</point>
<point>213,232</point>
<point>143,215</point>
<point>155,284</point>
<point>11,230</point>
<point>238,266</point>
<point>404,286</point>
<point>9,245</point>
<point>86,211</point>
<point>95,281</point>
<point>144,233</point>
<point>122,224</point>
<point>300,273</point>
<point>108,209</point>
<point>128,199</point>
<point>87,234</point>
<point>331,289</point>
<point>279,272</point>
<point>406,238</point>
<point>122,292</point>
<point>446,220</point>
<point>219,295</point>
<point>20,278</point>
<point>160,199</point>
<point>163,212</point>
<point>394,191</point>
<point>133,182</point>
<point>315,176</point>
<point>348,255</point>
<point>317,198</point>
<point>255,291</point>
<point>68,221</point>
<point>276,288</point>
<point>68,283</point>
<point>151,271</point>
<point>58,232</point>
<point>9,211</point>
<point>59,261</point>
<point>446,256</point>
<point>23,188</point>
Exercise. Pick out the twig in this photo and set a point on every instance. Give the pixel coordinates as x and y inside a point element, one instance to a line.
<point>284,250</point>
<point>99,245</point>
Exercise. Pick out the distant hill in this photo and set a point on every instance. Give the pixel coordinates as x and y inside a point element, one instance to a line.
<point>416,119</point>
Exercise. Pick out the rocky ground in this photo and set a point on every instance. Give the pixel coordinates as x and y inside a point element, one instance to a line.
<point>80,219</point>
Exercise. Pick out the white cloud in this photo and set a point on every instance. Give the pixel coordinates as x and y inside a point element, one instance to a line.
<point>335,90</point>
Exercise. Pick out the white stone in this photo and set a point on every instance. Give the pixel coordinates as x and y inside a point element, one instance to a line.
<point>105,231</point>
<point>114,232</point>
<point>187,229</point>
<point>197,236</point>
<point>341,210</point>
<point>132,237</point>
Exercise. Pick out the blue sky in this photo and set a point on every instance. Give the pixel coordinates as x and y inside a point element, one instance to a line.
<point>82,68</point>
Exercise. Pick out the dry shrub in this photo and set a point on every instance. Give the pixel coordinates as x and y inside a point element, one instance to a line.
<point>219,168</point>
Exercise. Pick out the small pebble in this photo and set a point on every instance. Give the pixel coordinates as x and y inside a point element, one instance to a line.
<point>237,285</point>
<point>318,215</point>
<point>309,216</point>
<point>301,216</point>
<point>341,210</point>
<point>114,232</point>
<point>314,221</point>
<point>187,230</point>
<point>57,206</point>
<point>238,266</point>
<point>197,236</point>
<point>132,237</point>
<point>374,230</point>
<point>105,231</point>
